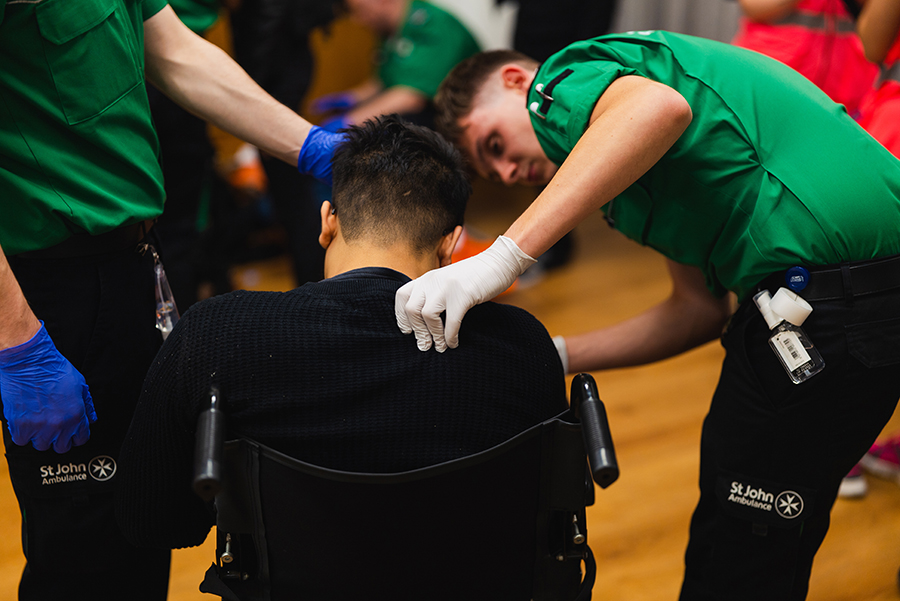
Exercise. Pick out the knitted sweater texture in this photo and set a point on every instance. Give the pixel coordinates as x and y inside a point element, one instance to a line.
<point>322,373</point>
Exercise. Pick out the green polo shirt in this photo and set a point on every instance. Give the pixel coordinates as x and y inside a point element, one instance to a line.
<point>198,15</point>
<point>769,174</point>
<point>78,152</point>
<point>430,43</point>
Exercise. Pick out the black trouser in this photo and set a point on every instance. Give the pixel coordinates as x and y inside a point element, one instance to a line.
<point>100,313</point>
<point>773,453</point>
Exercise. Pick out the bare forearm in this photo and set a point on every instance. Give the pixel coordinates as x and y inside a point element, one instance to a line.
<point>17,322</point>
<point>767,10</point>
<point>689,317</point>
<point>366,90</point>
<point>398,99</point>
<point>878,26</point>
<point>207,82</point>
<point>657,334</point>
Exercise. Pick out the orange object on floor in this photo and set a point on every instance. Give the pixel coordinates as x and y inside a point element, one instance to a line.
<point>248,173</point>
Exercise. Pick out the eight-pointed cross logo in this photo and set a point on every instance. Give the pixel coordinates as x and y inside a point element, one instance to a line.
<point>789,504</point>
<point>102,468</point>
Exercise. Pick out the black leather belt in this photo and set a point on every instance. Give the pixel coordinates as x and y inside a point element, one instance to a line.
<point>85,245</point>
<point>843,281</point>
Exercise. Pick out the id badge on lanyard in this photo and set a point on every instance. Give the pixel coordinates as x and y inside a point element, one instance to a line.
<point>166,309</point>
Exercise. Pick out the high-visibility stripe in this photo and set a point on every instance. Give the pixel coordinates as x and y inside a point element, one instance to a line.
<point>891,73</point>
<point>837,23</point>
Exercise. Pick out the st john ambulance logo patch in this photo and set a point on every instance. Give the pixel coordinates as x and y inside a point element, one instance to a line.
<point>763,501</point>
<point>102,468</point>
<point>789,504</point>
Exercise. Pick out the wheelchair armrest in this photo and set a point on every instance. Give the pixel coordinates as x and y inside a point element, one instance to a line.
<point>209,449</point>
<point>598,442</point>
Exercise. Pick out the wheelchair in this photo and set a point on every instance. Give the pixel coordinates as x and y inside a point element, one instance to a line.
<point>506,523</point>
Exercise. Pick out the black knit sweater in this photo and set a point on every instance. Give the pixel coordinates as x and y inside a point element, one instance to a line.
<point>322,373</point>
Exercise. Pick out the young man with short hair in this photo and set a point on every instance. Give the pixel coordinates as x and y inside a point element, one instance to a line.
<point>321,372</point>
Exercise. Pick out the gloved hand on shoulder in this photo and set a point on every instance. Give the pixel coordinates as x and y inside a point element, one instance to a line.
<point>455,289</point>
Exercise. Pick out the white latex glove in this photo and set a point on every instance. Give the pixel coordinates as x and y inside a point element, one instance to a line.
<point>455,289</point>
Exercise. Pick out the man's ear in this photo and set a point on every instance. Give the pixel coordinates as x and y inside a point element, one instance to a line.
<point>329,225</point>
<point>516,77</point>
<point>446,246</point>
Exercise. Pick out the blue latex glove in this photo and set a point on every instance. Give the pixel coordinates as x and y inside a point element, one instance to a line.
<point>336,123</point>
<point>45,399</point>
<point>339,101</point>
<point>316,153</point>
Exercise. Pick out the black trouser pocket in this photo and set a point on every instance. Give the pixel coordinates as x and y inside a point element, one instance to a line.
<point>875,343</point>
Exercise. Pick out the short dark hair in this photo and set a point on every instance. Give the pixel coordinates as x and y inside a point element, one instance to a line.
<point>395,180</point>
<point>456,95</point>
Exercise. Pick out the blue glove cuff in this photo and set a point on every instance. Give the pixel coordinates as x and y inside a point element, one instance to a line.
<point>10,357</point>
<point>316,153</point>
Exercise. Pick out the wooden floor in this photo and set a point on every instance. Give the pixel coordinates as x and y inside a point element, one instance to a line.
<point>638,527</point>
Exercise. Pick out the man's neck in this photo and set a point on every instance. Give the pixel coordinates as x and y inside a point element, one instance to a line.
<point>342,257</point>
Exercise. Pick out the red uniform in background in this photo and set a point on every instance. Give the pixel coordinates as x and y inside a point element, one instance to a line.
<point>880,108</point>
<point>819,40</point>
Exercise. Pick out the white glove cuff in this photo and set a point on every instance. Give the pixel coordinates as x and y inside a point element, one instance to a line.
<point>512,254</point>
<point>563,351</point>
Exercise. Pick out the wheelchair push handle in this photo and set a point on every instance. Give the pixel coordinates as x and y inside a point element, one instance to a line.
<point>209,448</point>
<point>595,428</point>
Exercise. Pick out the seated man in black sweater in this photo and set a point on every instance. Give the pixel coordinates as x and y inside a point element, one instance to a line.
<point>321,372</point>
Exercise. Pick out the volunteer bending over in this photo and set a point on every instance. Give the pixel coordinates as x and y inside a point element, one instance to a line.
<point>738,170</point>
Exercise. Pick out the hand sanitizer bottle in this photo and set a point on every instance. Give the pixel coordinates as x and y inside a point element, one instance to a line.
<point>784,314</point>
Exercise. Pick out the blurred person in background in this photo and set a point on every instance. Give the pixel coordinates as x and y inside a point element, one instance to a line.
<point>421,42</point>
<point>272,43</point>
<point>879,30</point>
<point>817,38</point>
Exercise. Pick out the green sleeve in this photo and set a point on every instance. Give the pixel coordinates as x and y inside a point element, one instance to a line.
<point>198,15</point>
<point>430,44</point>
<point>574,98</point>
<point>151,7</point>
